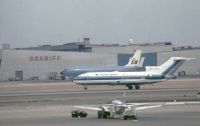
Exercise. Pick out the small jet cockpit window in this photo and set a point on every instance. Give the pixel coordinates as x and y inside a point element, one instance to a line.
<point>119,110</point>
<point>63,72</point>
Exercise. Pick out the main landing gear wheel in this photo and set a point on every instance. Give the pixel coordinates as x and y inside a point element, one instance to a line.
<point>137,87</point>
<point>85,87</point>
<point>103,115</point>
<point>130,87</point>
<point>130,117</point>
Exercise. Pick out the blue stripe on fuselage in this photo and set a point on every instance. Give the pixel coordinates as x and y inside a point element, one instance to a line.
<point>118,78</point>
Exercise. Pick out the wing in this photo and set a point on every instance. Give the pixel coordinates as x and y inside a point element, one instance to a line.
<point>89,108</point>
<point>136,104</point>
<point>164,103</point>
<point>147,107</point>
<point>182,103</point>
<point>142,106</point>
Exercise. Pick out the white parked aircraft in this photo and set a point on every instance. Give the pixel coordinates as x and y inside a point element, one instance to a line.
<point>122,110</point>
<point>151,74</point>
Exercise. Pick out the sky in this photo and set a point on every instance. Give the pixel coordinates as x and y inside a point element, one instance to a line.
<point>25,23</point>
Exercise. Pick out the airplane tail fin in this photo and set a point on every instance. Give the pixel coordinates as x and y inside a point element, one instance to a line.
<point>135,60</point>
<point>170,66</point>
<point>142,61</point>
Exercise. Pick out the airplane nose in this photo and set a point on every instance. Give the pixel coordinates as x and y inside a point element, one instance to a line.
<point>63,72</point>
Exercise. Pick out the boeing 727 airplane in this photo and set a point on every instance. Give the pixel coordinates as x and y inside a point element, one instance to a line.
<point>151,74</point>
<point>135,63</point>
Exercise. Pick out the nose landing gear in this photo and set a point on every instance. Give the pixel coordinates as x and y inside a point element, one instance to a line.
<point>85,87</point>
<point>137,87</point>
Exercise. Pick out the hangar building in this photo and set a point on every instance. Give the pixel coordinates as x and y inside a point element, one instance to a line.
<point>25,64</point>
<point>45,62</point>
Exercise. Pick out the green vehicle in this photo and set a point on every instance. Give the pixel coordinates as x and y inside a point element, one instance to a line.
<point>78,113</point>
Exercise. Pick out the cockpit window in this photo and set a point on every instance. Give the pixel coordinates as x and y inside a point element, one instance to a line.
<point>119,110</point>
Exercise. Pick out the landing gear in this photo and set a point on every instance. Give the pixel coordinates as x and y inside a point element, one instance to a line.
<point>103,115</point>
<point>130,117</point>
<point>85,87</point>
<point>99,114</point>
<point>130,87</point>
<point>137,87</point>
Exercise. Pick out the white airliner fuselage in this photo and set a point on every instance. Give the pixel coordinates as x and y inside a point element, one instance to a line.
<point>152,74</point>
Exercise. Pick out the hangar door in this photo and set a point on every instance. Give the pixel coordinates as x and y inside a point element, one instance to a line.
<point>19,75</point>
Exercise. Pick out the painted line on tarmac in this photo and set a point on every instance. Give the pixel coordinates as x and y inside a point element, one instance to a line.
<point>184,79</point>
<point>93,92</point>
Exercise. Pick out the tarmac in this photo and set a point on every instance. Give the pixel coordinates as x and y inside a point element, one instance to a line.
<point>59,115</point>
<point>50,103</point>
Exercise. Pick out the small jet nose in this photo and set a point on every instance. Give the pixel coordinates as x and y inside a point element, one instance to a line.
<point>63,72</point>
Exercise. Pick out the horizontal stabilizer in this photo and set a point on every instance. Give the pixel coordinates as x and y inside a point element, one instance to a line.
<point>184,58</point>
